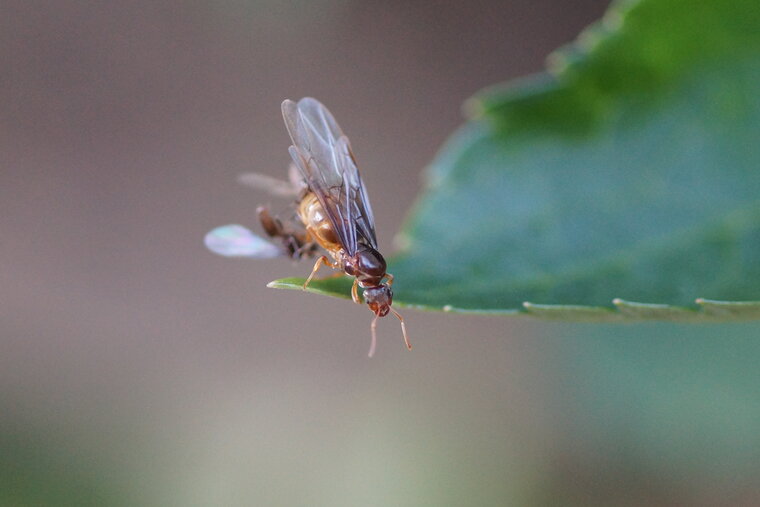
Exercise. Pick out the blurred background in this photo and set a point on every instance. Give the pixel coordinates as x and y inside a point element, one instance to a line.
<point>137,368</point>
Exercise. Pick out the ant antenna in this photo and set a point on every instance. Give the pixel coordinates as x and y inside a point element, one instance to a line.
<point>372,345</point>
<point>403,328</point>
<point>373,327</point>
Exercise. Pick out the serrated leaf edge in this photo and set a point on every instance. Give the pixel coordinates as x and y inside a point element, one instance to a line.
<point>704,311</point>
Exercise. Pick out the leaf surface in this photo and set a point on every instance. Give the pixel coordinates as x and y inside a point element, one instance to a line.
<point>623,183</point>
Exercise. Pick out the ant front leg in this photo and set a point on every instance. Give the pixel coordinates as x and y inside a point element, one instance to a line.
<point>355,292</point>
<point>322,260</point>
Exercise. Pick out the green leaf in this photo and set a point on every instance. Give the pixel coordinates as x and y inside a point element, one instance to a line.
<point>623,184</point>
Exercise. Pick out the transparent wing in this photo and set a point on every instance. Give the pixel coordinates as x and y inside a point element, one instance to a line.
<point>274,186</point>
<point>237,241</point>
<point>323,156</point>
<point>333,199</point>
<point>359,201</point>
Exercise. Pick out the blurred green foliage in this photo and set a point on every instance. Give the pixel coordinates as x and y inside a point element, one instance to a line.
<point>38,466</point>
<point>656,414</point>
<point>628,173</point>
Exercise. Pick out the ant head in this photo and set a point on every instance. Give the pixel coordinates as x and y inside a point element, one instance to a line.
<point>379,299</point>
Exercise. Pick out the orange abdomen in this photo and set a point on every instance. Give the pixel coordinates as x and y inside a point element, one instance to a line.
<point>318,225</point>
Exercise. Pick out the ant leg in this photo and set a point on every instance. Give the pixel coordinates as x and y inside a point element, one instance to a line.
<point>293,246</point>
<point>305,250</point>
<point>355,292</point>
<point>307,247</point>
<point>389,281</point>
<point>322,260</point>
<point>297,243</point>
<point>302,246</point>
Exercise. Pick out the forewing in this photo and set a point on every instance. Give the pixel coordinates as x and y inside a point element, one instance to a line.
<point>323,155</point>
<point>237,241</point>
<point>361,210</point>
<point>311,125</point>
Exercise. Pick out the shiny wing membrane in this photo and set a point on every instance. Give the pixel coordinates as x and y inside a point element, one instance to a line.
<point>237,241</point>
<point>270,185</point>
<point>323,155</point>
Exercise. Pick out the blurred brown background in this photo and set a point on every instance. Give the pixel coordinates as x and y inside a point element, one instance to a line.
<point>136,368</point>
